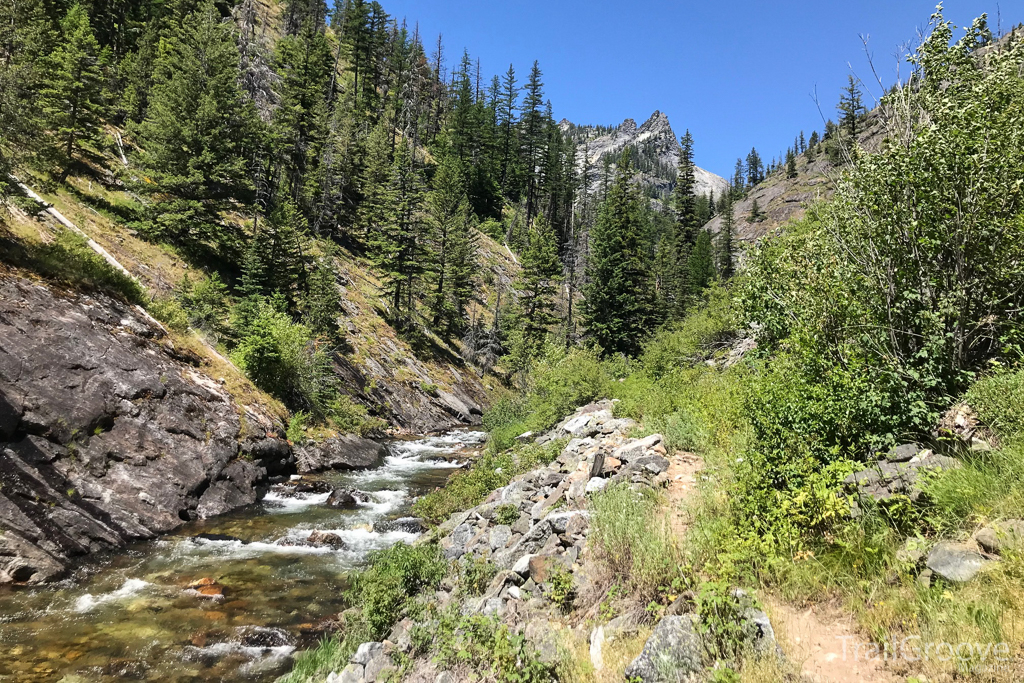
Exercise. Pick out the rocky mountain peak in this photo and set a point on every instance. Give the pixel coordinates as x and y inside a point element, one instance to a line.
<point>656,147</point>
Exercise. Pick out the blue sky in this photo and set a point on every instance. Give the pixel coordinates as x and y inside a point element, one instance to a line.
<point>737,73</point>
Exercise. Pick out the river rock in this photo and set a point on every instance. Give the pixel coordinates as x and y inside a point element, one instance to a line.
<point>346,499</point>
<point>954,563</point>
<point>347,452</point>
<point>109,434</point>
<point>326,539</point>
<point>672,654</point>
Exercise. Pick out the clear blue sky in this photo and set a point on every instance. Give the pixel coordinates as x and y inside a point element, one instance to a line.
<point>737,73</point>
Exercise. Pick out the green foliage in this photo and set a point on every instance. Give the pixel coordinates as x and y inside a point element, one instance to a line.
<point>537,285</point>
<point>619,306</point>
<point>998,400</point>
<point>69,259</point>
<point>396,575</point>
<point>490,471</point>
<point>563,589</point>
<point>701,263</point>
<point>205,302</point>
<point>507,514</point>
<point>296,433</point>
<point>558,382</point>
<point>72,94</point>
<point>476,573</point>
<point>632,540</point>
<point>196,135</point>
<point>487,647</point>
<point>720,609</point>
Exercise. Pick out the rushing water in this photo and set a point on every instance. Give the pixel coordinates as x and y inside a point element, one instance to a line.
<point>133,615</point>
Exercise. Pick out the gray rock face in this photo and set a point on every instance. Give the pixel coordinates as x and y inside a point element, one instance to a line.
<point>954,563</point>
<point>106,436</point>
<point>347,452</point>
<point>896,475</point>
<point>672,653</point>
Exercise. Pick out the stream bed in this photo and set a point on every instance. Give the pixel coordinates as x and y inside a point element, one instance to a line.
<point>231,606</point>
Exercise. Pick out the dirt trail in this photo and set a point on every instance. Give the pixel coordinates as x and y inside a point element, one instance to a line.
<point>812,637</point>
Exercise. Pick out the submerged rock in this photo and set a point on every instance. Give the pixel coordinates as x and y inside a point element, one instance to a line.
<point>346,499</point>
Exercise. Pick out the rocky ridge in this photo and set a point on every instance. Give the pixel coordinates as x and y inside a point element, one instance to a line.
<point>658,144</point>
<point>109,433</point>
<point>535,530</point>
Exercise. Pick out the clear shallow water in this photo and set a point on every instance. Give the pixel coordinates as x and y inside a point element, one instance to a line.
<point>134,615</point>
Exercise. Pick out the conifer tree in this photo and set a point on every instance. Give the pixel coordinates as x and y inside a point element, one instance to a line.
<point>803,143</point>
<point>321,302</point>
<point>452,258</point>
<point>25,37</point>
<point>755,168</point>
<point>509,143</point>
<point>395,245</point>
<point>851,107</point>
<point>725,246</point>
<point>756,215</point>
<point>702,263</point>
<point>198,133</point>
<point>532,138</point>
<point>738,180</point>
<point>537,284</point>
<point>619,308</point>
<point>72,93</point>
<point>791,171</point>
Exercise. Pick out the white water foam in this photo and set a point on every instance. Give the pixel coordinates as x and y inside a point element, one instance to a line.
<point>131,587</point>
<point>291,503</point>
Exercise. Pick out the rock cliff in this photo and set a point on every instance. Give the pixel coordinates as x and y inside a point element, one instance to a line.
<point>657,146</point>
<point>108,434</point>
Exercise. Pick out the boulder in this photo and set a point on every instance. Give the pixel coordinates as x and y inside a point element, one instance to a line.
<point>346,452</point>
<point>595,485</point>
<point>955,563</point>
<point>543,635</point>
<point>673,653</point>
<point>324,539</point>
<point>999,537</point>
<point>346,499</point>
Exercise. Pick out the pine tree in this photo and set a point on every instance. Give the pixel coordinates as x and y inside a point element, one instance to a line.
<point>72,94</point>
<point>851,107</point>
<point>395,245</point>
<point>25,37</point>
<point>619,308</point>
<point>791,164</point>
<point>452,258</point>
<point>537,284</point>
<point>509,143</point>
<point>755,168</point>
<point>739,180</point>
<point>532,138</point>
<point>756,215</point>
<point>702,263</point>
<point>321,301</point>
<point>803,143</point>
<point>725,246</point>
<point>197,137</point>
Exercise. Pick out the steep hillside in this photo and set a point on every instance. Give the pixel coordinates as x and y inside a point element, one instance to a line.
<point>657,148</point>
<point>414,390</point>
<point>781,199</point>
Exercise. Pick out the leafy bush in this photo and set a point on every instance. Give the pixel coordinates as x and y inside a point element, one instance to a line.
<point>296,433</point>
<point>507,514</point>
<point>487,647</point>
<point>560,381</point>
<point>396,574</point>
<point>563,589</point>
<point>476,574</point>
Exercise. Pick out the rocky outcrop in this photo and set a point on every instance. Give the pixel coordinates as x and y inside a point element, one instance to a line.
<point>657,145</point>
<point>896,475</point>
<point>108,436</point>
<point>347,452</point>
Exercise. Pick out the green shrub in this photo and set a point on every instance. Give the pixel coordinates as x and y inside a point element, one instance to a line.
<point>999,401</point>
<point>563,589</point>
<point>559,381</point>
<point>490,471</point>
<point>296,433</point>
<point>476,574</point>
<point>485,646</point>
<point>507,514</point>
<point>205,301</point>
<point>396,574</point>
